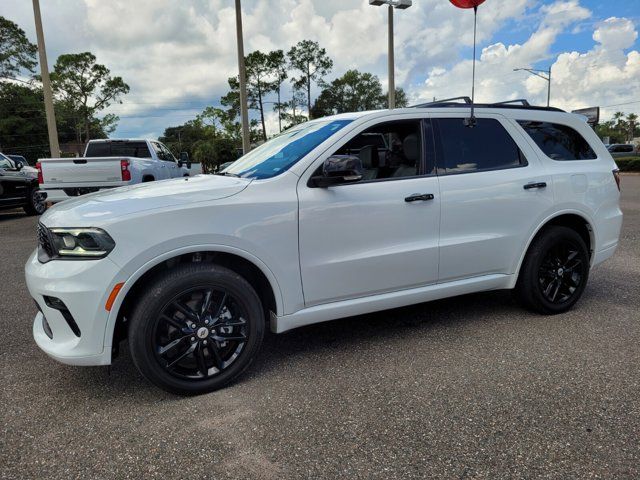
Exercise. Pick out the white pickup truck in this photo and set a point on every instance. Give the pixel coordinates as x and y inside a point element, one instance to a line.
<point>108,164</point>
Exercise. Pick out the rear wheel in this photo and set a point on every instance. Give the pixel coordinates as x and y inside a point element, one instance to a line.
<point>196,328</point>
<point>555,271</point>
<point>36,205</point>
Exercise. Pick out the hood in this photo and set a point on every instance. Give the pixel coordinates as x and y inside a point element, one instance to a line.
<point>105,204</point>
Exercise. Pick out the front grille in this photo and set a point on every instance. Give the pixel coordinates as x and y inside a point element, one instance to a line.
<point>44,241</point>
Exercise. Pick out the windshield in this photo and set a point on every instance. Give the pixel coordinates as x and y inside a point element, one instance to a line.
<point>280,153</point>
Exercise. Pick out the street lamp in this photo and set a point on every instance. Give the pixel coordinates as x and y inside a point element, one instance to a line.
<point>402,5</point>
<point>539,73</point>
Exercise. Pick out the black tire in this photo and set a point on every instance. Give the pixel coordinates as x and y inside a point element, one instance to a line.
<point>36,205</point>
<point>555,271</point>
<point>148,178</point>
<point>148,331</point>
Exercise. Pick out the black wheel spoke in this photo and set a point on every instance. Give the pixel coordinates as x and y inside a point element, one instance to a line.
<point>181,357</point>
<point>561,272</point>
<point>230,338</point>
<point>176,323</point>
<point>206,302</point>
<point>221,306</point>
<point>171,345</point>
<point>186,311</point>
<point>215,354</point>
<point>202,364</point>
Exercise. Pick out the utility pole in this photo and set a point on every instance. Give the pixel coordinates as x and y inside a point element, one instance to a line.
<point>242,76</point>
<point>46,84</point>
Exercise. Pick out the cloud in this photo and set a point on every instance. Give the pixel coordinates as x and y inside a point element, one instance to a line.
<point>177,55</point>
<point>603,75</point>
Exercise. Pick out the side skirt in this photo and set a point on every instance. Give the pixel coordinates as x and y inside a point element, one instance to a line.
<point>385,301</point>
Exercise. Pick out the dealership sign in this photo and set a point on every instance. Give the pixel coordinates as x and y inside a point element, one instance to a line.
<point>592,114</point>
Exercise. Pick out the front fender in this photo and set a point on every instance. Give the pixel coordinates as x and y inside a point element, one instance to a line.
<point>139,271</point>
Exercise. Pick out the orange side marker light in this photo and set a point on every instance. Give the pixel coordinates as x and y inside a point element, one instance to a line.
<point>112,296</point>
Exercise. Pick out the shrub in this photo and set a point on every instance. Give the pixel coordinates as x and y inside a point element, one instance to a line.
<point>628,164</point>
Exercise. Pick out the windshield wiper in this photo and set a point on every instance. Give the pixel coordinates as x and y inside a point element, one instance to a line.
<point>227,174</point>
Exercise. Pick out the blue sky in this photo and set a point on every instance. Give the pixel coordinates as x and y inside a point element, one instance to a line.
<point>176,56</point>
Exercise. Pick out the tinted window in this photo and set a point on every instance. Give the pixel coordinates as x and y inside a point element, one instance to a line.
<point>558,142</point>
<point>387,150</point>
<point>118,149</point>
<point>487,146</point>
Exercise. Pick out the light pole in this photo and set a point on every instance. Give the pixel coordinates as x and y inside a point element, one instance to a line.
<point>402,5</point>
<point>46,84</point>
<point>540,73</point>
<point>242,78</point>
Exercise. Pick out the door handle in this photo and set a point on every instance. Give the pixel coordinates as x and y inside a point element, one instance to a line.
<point>418,197</point>
<point>529,186</point>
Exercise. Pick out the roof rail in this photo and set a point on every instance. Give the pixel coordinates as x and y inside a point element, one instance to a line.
<point>523,101</point>
<point>519,103</point>
<point>445,101</point>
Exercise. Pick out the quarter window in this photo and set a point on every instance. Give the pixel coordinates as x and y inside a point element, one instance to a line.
<point>486,146</point>
<point>558,142</point>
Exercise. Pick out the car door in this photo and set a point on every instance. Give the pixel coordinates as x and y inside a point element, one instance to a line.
<point>162,169</point>
<point>381,233</point>
<point>172,163</point>
<point>14,187</point>
<point>494,191</point>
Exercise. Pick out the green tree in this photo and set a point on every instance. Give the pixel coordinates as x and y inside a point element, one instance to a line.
<point>311,62</point>
<point>17,53</point>
<point>212,153</point>
<point>278,64</point>
<point>23,128</point>
<point>87,87</point>
<point>353,92</point>
<point>632,122</point>
<point>401,99</point>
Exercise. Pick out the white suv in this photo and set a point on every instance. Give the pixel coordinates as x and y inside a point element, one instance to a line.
<point>336,217</point>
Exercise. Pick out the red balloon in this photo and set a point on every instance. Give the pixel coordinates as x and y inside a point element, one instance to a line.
<point>466,3</point>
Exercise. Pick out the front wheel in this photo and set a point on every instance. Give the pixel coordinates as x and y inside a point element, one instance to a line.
<point>555,271</point>
<point>196,328</point>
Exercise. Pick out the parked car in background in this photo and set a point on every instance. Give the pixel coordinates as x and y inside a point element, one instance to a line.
<point>107,164</point>
<point>621,149</point>
<point>26,168</point>
<point>339,216</point>
<point>19,189</point>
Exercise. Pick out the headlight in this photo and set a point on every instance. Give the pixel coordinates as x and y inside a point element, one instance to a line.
<point>80,242</point>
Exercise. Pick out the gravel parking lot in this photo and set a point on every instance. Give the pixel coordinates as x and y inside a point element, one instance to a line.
<point>471,387</point>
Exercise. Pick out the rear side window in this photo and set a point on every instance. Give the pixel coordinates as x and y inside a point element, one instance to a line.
<point>487,146</point>
<point>558,142</point>
<point>118,149</point>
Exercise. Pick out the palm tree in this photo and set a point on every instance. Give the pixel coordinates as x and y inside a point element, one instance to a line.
<point>632,121</point>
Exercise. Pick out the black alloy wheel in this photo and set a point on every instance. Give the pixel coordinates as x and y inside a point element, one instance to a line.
<point>195,328</point>
<point>555,271</point>
<point>561,272</point>
<point>200,332</point>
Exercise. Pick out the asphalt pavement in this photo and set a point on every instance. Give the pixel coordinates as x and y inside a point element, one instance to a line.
<point>470,387</point>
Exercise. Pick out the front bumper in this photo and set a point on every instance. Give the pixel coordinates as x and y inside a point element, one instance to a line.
<point>83,286</point>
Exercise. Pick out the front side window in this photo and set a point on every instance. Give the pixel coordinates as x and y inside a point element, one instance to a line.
<point>388,150</point>
<point>558,142</point>
<point>285,150</point>
<point>486,146</point>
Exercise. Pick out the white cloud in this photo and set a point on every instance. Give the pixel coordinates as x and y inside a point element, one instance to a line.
<point>177,55</point>
<point>603,75</point>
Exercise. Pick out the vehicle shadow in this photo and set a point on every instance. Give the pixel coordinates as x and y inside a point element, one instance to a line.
<point>11,215</point>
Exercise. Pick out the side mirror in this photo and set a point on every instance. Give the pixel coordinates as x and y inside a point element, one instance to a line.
<point>19,165</point>
<point>184,160</point>
<point>338,169</point>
